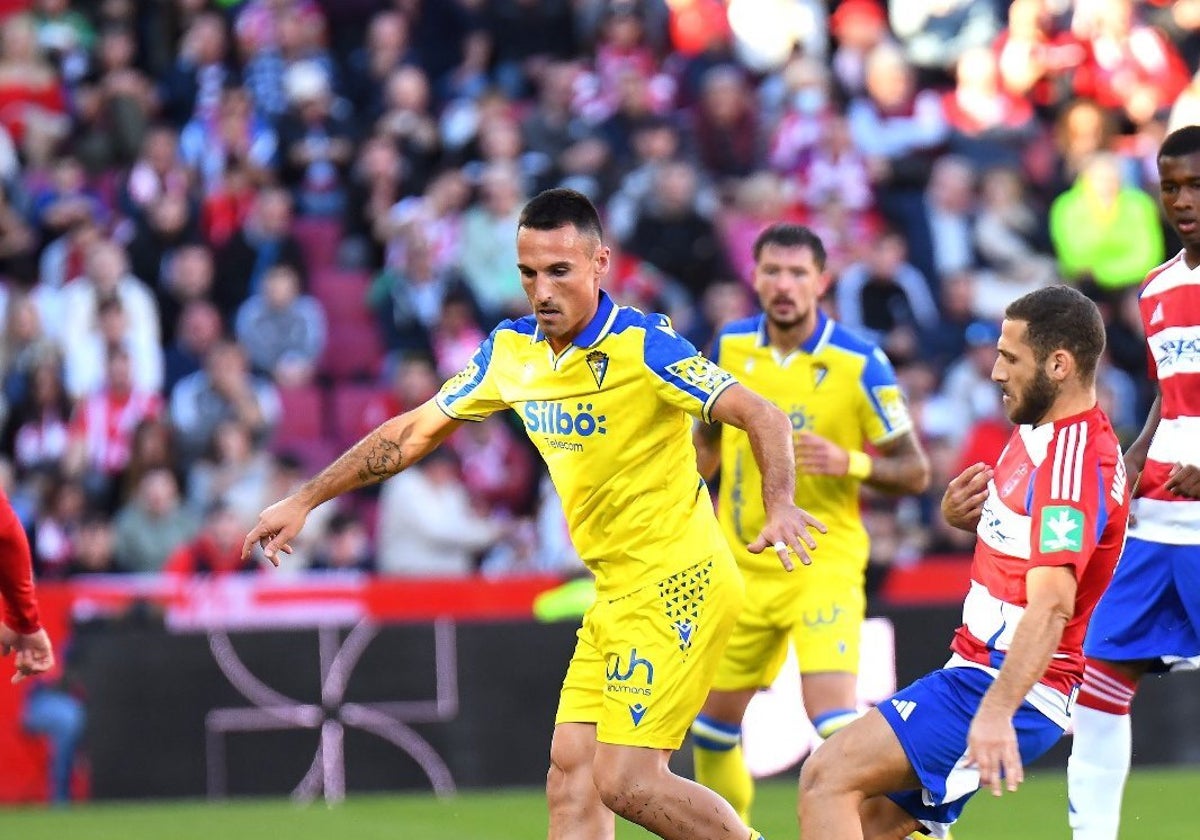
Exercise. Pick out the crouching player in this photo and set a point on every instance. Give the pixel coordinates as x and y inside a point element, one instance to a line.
<point>1051,520</point>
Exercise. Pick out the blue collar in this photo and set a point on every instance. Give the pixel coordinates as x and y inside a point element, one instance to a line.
<point>810,344</point>
<point>597,328</point>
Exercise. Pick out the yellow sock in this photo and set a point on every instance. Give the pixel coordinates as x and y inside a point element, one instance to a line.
<point>717,751</point>
<point>833,720</point>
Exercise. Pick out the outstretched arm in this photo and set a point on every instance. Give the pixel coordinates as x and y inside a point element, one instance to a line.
<point>770,433</point>
<point>394,445</point>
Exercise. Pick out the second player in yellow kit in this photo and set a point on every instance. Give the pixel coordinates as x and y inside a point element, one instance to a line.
<point>841,395</point>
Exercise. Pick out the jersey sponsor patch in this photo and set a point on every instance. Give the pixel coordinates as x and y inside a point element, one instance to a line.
<point>891,403</point>
<point>467,376</point>
<point>1062,529</point>
<point>700,372</point>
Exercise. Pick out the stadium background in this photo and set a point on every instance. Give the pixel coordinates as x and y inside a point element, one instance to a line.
<point>236,235</point>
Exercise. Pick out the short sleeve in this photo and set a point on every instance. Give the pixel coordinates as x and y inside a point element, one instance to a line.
<point>681,376</point>
<point>1065,509</point>
<point>884,412</point>
<point>472,393</point>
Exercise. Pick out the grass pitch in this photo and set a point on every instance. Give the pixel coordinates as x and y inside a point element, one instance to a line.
<point>1157,805</point>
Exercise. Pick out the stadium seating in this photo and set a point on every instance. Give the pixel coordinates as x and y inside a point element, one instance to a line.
<point>318,239</point>
<point>353,351</point>
<point>348,402</point>
<point>343,295</point>
<point>302,417</point>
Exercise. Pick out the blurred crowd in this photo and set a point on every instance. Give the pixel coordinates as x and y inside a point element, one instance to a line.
<point>234,236</point>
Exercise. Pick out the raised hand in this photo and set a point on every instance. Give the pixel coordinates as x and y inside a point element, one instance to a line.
<point>962,503</point>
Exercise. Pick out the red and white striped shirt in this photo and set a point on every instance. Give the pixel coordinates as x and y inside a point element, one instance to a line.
<point>1170,305</point>
<point>106,421</point>
<point>1058,497</point>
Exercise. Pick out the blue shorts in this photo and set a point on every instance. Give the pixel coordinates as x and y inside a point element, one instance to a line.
<point>931,718</point>
<point>1151,609</point>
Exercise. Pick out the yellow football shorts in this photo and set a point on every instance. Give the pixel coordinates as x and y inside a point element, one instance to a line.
<point>820,611</point>
<point>643,663</point>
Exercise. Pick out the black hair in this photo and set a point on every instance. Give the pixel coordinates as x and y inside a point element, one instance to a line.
<point>791,236</point>
<point>1061,318</point>
<point>552,209</point>
<point>1180,142</point>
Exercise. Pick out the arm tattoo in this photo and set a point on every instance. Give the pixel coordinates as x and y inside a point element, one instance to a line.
<point>383,460</point>
<point>901,467</point>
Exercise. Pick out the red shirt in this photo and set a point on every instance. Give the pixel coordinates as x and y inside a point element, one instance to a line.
<point>106,421</point>
<point>1144,57</point>
<point>16,99</point>
<point>1058,498</point>
<point>16,573</point>
<point>1170,307</point>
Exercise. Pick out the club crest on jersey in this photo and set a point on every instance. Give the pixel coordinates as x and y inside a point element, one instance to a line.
<point>1013,480</point>
<point>819,372</point>
<point>597,362</point>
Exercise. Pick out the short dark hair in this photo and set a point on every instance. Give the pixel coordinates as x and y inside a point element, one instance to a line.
<point>552,209</point>
<point>1061,318</point>
<point>1180,142</point>
<point>791,236</point>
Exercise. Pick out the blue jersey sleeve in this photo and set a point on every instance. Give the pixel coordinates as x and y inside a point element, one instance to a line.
<point>681,376</point>
<point>884,413</point>
<point>472,394</point>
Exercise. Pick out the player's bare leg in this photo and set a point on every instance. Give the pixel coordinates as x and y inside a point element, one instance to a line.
<point>842,783</point>
<point>636,783</point>
<point>576,812</point>
<point>717,748</point>
<point>1101,750</point>
<point>831,700</point>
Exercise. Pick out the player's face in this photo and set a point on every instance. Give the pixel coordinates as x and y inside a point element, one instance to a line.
<point>789,284</point>
<point>1179,184</point>
<point>1028,392</point>
<point>561,271</point>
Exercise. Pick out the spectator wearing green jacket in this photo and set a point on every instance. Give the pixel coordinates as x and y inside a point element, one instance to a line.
<point>1105,230</point>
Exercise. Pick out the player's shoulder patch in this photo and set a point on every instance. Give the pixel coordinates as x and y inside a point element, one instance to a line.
<point>892,406</point>
<point>700,373</point>
<point>1060,529</point>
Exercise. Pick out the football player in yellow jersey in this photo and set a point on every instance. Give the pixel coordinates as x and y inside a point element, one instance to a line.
<point>605,394</point>
<point>841,394</point>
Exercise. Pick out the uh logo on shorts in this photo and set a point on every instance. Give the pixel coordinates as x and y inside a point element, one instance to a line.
<point>621,674</point>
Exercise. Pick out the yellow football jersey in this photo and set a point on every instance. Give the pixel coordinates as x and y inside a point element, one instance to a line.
<point>610,416</point>
<point>836,385</point>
